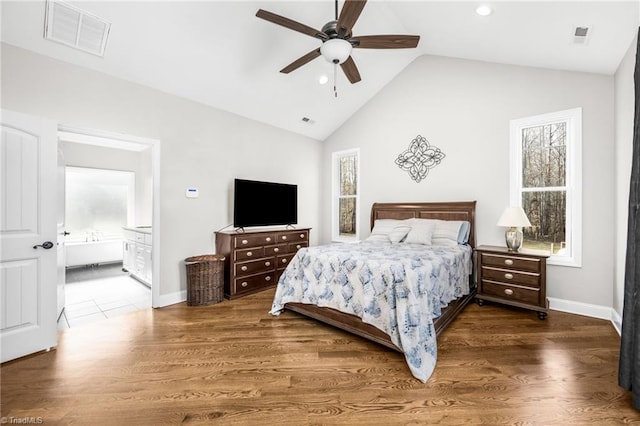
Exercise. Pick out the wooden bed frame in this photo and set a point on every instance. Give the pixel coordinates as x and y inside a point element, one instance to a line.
<point>445,211</point>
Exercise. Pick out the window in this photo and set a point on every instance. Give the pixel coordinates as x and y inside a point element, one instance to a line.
<point>345,200</point>
<point>98,203</point>
<point>546,170</point>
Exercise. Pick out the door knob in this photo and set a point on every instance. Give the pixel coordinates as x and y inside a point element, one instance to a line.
<point>46,245</point>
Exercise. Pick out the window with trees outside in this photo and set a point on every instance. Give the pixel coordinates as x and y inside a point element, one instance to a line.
<point>546,170</point>
<point>345,200</point>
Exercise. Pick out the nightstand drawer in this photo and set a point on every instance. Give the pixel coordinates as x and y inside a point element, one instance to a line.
<point>511,262</point>
<point>511,292</point>
<point>509,276</point>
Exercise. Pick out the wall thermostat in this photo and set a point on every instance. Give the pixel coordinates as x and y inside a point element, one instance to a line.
<point>192,193</point>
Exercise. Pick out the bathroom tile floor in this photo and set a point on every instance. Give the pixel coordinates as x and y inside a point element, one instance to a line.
<point>99,293</point>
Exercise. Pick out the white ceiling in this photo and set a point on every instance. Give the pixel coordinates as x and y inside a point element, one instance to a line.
<point>218,53</point>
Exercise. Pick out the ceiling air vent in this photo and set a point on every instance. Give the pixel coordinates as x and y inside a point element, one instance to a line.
<point>76,28</point>
<point>581,35</point>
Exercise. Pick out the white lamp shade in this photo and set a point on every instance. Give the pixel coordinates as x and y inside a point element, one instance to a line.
<point>514,216</point>
<point>336,50</point>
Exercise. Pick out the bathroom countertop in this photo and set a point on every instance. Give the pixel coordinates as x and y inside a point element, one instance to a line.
<point>144,229</point>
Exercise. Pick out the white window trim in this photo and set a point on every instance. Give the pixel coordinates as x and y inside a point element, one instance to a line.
<point>573,118</point>
<point>335,195</point>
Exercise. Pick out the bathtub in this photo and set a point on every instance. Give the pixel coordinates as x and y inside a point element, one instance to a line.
<point>91,252</point>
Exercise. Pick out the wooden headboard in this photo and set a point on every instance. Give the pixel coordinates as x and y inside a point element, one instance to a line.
<point>457,210</point>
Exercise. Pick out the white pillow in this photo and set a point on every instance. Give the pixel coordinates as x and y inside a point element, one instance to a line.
<point>398,233</point>
<point>421,231</point>
<point>388,230</point>
<point>451,232</point>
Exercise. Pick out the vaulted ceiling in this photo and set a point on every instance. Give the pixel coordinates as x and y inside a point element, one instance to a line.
<point>220,54</point>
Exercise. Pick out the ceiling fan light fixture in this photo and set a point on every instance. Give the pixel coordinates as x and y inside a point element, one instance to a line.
<point>336,50</point>
<point>484,10</point>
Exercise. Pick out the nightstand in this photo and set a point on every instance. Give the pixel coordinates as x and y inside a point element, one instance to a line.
<point>513,278</point>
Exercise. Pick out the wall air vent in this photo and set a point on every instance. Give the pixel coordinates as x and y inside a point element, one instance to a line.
<point>76,28</point>
<point>581,35</point>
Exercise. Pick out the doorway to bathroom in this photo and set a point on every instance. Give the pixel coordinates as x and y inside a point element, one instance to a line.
<point>108,200</point>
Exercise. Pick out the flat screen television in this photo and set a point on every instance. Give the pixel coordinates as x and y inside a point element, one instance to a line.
<point>257,203</point>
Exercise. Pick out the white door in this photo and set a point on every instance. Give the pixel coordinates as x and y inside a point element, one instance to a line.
<point>28,197</point>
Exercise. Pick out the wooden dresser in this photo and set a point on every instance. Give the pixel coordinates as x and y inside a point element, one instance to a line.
<point>513,278</point>
<point>254,260</point>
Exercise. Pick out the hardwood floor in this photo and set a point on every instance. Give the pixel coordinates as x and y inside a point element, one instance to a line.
<point>233,363</point>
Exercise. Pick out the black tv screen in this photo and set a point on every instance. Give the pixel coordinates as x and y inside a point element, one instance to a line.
<point>257,203</point>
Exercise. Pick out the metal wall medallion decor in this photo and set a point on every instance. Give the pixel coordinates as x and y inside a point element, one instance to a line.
<point>419,158</point>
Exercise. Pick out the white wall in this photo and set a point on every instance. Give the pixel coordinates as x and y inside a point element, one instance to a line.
<point>464,108</point>
<point>98,157</point>
<point>201,147</point>
<point>624,111</point>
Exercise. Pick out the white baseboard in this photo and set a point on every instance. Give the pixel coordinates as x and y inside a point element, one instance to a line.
<point>171,298</point>
<point>617,322</point>
<point>586,309</point>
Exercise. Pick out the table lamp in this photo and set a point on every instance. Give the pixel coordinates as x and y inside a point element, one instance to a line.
<point>513,217</point>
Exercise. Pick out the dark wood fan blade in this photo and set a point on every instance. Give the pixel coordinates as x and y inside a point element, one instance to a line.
<point>350,70</point>
<point>385,41</point>
<point>291,24</point>
<point>349,15</point>
<point>301,61</point>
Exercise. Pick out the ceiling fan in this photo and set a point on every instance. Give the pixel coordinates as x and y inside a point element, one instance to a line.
<point>337,39</point>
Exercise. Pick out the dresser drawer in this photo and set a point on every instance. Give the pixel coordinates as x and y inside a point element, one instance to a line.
<point>249,254</point>
<point>255,266</point>
<point>293,236</point>
<point>513,293</point>
<point>509,276</point>
<point>275,250</point>
<point>283,260</point>
<point>511,262</point>
<point>254,282</point>
<point>242,241</point>
<point>294,247</point>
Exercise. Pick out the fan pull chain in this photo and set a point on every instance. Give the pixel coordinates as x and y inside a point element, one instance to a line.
<point>335,79</point>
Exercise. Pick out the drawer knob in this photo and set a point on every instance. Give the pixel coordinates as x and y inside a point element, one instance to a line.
<point>268,239</point>
<point>508,291</point>
<point>249,254</point>
<point>244,284</point>
<point>508,262</point>
<point>267,263</point>
<point>301,235</point>
<point>284,237</point>
<point>267,278</point>
<point>245,242</point>
<point>508,276</point>
<point>244,268</point>
<point>284,260</point>
<point>298,246</point>
<point>276,249</point>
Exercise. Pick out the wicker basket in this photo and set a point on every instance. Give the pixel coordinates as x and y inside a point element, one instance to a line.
<point>205,276</point>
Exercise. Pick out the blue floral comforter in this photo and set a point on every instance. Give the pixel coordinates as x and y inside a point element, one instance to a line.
<point>398,288</point>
